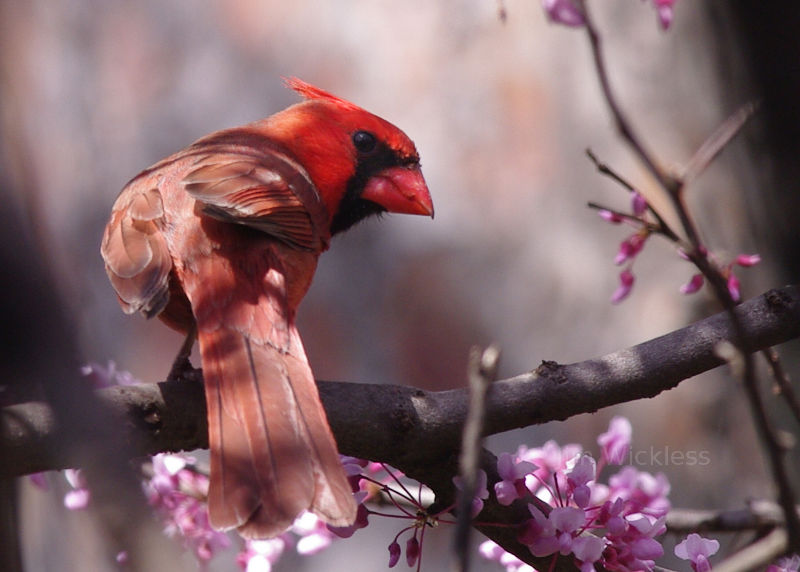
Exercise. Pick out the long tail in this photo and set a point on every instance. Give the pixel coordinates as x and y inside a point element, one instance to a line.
<point>272,452</point>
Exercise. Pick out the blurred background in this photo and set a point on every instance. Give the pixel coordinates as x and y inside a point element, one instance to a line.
<point>502,112</point>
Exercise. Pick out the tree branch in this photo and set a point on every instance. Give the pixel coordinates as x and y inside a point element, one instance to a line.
<point>417,431</point>
<point>406,426</point>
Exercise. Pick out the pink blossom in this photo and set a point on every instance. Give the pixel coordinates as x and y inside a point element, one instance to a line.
<point>107,375</point>
<point>178,494</point>
<point>696,282</point>
<point>693,285</point>
<point>567,518</point>
<point>539,533</point>
<point>79,497</point>
<point>394,554</point>
<point>490,550</point>
<point>587,550</point>
<point>550,457</point>
<point>748,260</point>
<point>664,10</point>
<point>616,442</point>
<point>563,12</point>
<point>630,247</point>
<point>643,492</point>
<point>645,547</point>
<point>626,280</point>
<point>579,478</point>
<point>609,216</point>
<point>412,550</point>
<point>362,516</point>
<point>481,492</point>
<point>261,555</point>
<point>39,480</point>
<point>734,287</point>
<point>697,549</point>
<point>512,474</point>
<point>610,516</point>
<point>638,203</point>
<point>786,564</point>
<point>553,533</point>
<point>551,461</point>
<point>313,532</point>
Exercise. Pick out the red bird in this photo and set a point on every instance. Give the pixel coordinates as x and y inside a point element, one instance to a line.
<point>221,239</point>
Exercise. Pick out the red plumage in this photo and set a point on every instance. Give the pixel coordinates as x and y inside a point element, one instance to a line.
<point>223,238</point>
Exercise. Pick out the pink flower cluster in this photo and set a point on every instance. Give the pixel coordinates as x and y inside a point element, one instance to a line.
<point>370,480</point>
<point>630,248</point>
<point>632,245</point>
<point>612,525</point>
<point>743,260</point>
<point>179,493</point>
<point>308,534</point>
<point>107,375</point>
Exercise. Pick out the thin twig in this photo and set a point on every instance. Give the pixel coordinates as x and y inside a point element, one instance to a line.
<point>482,372</point>
<point>661,227</point>
<point>653,228</point>
<point>620,119</point>
<point>604,169</point>
<point>717,141</point>
<point>782,382</point>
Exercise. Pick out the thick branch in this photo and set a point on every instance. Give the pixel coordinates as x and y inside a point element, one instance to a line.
<point>418,431</point>
<point>405,426</point>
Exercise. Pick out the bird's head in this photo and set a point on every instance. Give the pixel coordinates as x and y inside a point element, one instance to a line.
<point>360,164</point>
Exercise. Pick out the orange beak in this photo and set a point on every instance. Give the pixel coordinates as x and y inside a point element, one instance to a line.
<point>400,190</point>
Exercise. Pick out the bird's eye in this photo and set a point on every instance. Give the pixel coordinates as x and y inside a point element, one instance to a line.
<point>364,141</point>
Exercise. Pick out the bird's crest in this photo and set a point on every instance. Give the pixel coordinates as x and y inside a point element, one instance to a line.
<point>313,92</point>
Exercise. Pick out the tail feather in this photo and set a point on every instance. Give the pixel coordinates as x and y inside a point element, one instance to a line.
<point>272,452</point>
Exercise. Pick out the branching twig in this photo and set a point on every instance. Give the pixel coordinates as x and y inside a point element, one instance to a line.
<point>621,121</point>
<point>674,188</point>
<point>661,227</point>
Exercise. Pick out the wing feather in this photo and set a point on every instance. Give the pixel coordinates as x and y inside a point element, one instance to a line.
<point>267,191</point>
<point>135,252</point>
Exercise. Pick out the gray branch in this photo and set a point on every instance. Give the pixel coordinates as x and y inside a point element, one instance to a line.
<point>417,431</point>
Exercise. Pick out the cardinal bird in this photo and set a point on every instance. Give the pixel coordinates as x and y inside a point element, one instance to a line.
<point>221,239</point>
